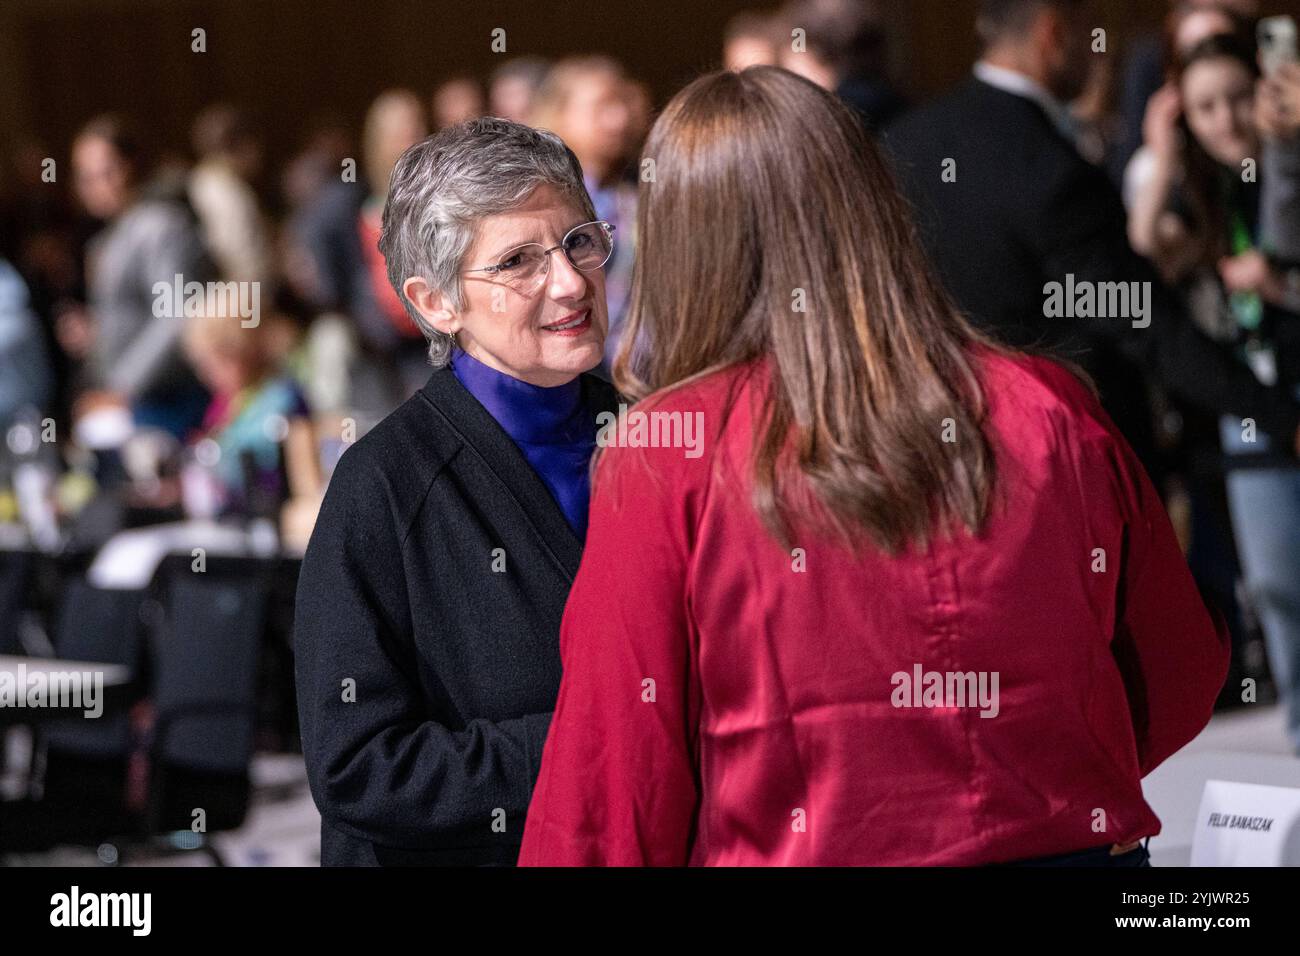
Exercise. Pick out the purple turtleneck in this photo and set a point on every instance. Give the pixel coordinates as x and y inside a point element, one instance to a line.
<point>552,427</point>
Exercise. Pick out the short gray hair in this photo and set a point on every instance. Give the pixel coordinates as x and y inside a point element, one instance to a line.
<point>443,186</point>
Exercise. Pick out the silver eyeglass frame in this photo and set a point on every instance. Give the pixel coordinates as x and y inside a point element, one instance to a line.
<point>608,228</point>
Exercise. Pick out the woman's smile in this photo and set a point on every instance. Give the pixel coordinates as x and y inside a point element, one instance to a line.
<point>571,325</point>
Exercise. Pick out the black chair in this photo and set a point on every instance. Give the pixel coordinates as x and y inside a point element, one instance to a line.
<point>15,577</point>
<point>205,670</point>
<point>83,765</point>
<point>194,639</point>
<point>15,571</point>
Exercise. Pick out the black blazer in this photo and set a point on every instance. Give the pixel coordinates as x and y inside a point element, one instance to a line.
<point>427,635</point>
<point>1026,209</point>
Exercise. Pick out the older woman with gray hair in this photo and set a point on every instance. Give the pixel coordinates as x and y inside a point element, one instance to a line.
<point>430,597</point>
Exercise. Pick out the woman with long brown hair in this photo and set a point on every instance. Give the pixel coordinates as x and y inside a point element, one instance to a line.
<point>859,587</point>
<point>1219,237</point>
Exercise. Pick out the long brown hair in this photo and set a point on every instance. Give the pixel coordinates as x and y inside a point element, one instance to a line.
<point>1208,188</point>
<point>766,190</point>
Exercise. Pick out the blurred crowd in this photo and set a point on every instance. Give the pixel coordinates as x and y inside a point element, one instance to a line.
<point>239,405</point>
<point>233,397</point>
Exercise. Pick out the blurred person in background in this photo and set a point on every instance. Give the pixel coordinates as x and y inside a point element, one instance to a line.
<point>450,533</point>
<point>738,699</point>
<point>309,175</point>
<point>1097,124</point>
<point>456,101</point>
<point>334,264</point>
<point>1027,207</point>
<point>1278,119</point>
<point>1185,186</point>
<point>1150,57</point>
<point>751,39</point>
<point>319,162</point>
<point>43,237</point>
<point>312,257</point>
<point>514,85</point>
<point>1197,216</point>
<point>265,447</point>
<point>394,123</point>
<point>26,381</point>
<point>1188,25</point>
<point>846,51</point>
<point>321,188</point>
<point>640,105</point>
<point>222,194</point>
<point>1191,433</point>
<point>134,351</point>
<point>589,103</point>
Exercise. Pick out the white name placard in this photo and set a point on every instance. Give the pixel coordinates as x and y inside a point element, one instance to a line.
<point>1247,824</point>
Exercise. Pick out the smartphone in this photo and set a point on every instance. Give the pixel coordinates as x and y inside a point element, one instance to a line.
<point>1277,43</point>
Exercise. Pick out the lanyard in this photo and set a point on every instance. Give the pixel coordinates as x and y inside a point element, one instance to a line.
<point>1248,307</point>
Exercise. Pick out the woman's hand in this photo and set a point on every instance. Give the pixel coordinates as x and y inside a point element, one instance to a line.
<point>1277,105</point>
<point>1251,272</point>
<point>1152,231</point>
<point>1160,127</point>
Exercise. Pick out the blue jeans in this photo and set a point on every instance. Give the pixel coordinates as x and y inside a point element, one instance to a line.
<point>1265,507</point>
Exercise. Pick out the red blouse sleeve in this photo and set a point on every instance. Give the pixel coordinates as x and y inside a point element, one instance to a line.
<point>617,785</point>
<point>1172,651</point>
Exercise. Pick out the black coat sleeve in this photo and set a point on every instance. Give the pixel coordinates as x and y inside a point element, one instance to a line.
<point>1078,228</point>
<point>380,769</point>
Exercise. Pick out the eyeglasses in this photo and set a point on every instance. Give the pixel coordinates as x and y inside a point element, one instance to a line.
<point>524,268</point>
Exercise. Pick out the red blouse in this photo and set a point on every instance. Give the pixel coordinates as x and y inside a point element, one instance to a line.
<point>727,702</point>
